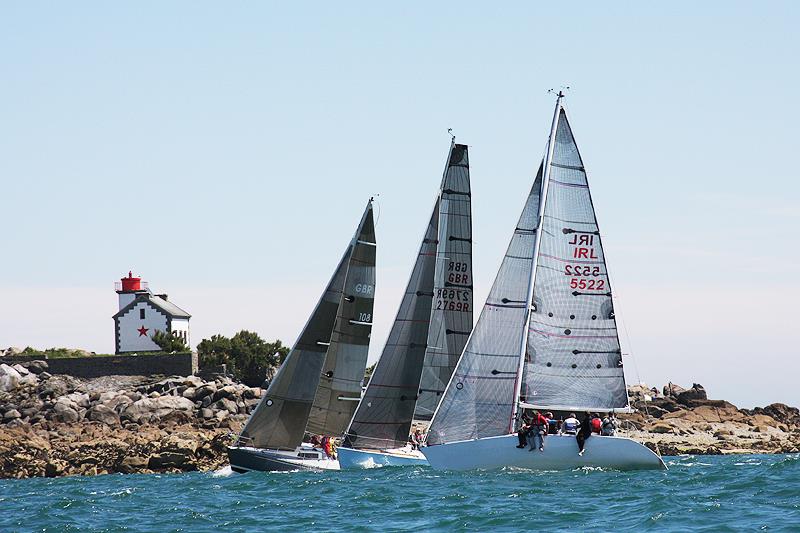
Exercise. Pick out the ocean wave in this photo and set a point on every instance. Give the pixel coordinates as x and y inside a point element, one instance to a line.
<point>709,494</point>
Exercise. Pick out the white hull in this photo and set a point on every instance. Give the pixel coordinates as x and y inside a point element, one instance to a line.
<point>354,459</point>
<point>560,453</point>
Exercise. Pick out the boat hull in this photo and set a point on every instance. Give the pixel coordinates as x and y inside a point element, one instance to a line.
<point>560,453</point>
<point>245,459</point>
<point>350,459</point>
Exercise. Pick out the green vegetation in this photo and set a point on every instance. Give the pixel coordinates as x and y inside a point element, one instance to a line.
<point>169,343</point>
<point>57,353</point>
<point>247,356</point>
<point>68,353</point>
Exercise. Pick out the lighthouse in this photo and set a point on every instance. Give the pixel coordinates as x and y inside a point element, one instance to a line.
<point>142,313</point>
<point>128,288</point>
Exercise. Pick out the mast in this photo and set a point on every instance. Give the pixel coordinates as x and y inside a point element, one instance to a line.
<point>529,300</point>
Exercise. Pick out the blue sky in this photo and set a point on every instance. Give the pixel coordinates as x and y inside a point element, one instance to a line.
<point>225,151</point>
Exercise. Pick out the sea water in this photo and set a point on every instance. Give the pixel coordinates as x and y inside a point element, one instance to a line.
<point>698,493</point>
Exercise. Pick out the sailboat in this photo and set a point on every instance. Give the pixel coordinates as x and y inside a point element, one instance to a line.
<point>546,337</point>
<point>428,334</point>
<point>318,386</point>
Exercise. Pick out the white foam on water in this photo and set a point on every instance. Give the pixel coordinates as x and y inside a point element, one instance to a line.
<point>225,471</point>
<point>370,463</point>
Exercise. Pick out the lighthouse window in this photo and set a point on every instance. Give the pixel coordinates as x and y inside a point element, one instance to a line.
<point>141,314</point>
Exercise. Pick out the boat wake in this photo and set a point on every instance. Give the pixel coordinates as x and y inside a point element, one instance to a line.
<point>370,463</point>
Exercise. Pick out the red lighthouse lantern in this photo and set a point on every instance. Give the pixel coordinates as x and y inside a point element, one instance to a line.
<point>131,284</point>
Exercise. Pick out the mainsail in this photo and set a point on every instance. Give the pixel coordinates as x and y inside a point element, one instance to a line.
<point>438,295</point>
<point>279,420</point>
<point>451,315</point>
<point>573,360</point>
<point>480,394</point>
<point>343,372</point>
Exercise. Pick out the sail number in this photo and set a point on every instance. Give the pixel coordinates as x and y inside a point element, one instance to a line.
<point>452,300</point>
<point>580,270</point>
<point>587,284</point>
<point>363,288</point>
<point>583,248</point>
<point>457,273</point>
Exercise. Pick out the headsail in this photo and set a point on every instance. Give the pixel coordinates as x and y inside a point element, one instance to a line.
<point>452,309</point>
<point>343,372</point>
<point>383,418</point>
<point>280,418</point>
<point>481,392</point>
<point>573,359</point>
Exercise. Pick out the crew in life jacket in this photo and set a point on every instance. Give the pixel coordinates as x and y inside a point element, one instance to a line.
<point>596,423</point>
<point>538,430</point>
<point>570,425</point>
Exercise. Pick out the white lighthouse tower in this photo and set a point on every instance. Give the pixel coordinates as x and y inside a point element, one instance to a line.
<point>142,313</point>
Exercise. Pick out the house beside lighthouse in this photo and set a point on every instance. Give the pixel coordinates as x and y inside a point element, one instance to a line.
<point>142,313</point>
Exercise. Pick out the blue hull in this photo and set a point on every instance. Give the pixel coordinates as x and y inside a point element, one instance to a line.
<point>350,459</point>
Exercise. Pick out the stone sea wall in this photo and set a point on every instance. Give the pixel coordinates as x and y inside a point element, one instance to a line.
<point>117,365</point>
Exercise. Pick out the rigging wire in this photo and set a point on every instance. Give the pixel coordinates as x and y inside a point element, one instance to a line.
<point>619,316</point>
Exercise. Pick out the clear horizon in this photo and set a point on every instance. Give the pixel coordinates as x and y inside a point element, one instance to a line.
<point>225,154</point>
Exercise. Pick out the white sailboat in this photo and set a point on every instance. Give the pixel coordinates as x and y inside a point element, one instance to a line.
<point>317,387</point>
<point>428,333</point>
<point>546,337</point>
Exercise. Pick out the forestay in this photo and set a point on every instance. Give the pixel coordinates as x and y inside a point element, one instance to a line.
<point>343,372</point>
<point>481,393</point>
<point>573,357</point>
<point>280,418</point>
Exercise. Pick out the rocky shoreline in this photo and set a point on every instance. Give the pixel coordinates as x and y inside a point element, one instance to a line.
<point>59,425</point>
<point>56,425</point>
<point>677,421</point>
